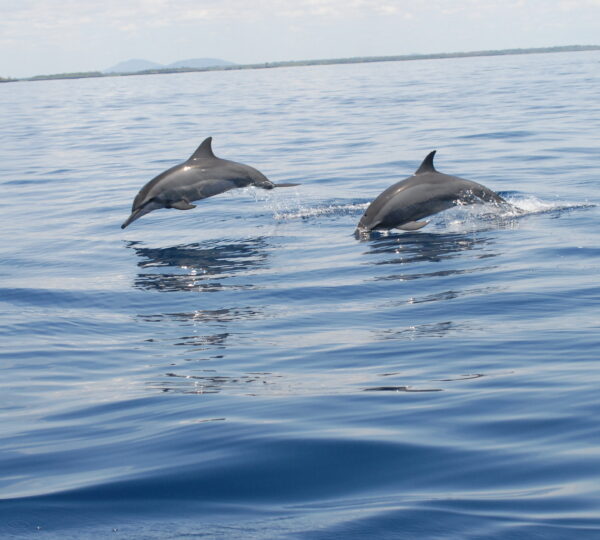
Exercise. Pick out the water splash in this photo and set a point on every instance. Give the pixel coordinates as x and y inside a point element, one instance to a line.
<point>307,212</point>
<point>290,205</point>
<point>530,204</point>
<point>468,217</point>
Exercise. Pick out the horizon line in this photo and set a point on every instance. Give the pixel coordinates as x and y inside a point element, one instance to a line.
<point>313,62</point>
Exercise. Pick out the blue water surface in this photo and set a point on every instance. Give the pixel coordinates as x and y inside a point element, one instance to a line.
<point>249,368</point>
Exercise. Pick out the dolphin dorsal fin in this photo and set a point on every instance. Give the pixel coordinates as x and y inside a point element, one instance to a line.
<point>204,150</point>
<point>427,165</point>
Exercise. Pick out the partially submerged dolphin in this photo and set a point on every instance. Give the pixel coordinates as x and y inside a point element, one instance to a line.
<point>425,193</point>
<point>202,175</point>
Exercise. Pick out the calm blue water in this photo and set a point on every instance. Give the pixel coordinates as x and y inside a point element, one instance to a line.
<point>249,369</point>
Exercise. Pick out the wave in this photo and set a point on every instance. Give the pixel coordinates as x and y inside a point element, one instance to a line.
<point>530,204</point>
<point>519,206</point>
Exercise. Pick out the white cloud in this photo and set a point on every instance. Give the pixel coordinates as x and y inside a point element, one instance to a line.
<point>102,32</point>
<point>124,13</point>
<point>59,13</point>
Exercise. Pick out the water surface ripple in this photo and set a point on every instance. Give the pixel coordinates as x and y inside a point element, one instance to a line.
<point>250,369</point>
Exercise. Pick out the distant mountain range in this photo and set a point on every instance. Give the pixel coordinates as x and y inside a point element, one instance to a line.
<point>135,65</point>
<point>209,64</point>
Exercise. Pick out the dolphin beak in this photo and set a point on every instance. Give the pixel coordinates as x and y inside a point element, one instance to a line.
<point>137,214</point>
<point>142,211</point>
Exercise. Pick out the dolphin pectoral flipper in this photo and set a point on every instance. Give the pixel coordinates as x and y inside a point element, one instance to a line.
<point>182,205</point>
<point>412,225</point>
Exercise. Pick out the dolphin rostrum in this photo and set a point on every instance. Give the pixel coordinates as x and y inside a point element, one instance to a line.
<point>202,175</point>
<point>425,193</point>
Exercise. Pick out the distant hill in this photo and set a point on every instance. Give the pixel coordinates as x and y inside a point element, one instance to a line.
<point>143,66</point>
<point>136,65</point>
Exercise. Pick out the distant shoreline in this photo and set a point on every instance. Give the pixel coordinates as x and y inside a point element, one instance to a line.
<point>324,62</point>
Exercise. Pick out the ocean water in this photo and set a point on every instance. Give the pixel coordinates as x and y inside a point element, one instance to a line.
<point>249,368</point>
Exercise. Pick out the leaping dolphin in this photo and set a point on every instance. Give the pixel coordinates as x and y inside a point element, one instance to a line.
<point>425,193</point>
<point>202,175</point>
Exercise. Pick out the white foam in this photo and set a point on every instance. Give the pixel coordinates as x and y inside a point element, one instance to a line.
<point>305,212</point>
<point>288,205</point>
<point>529,204</point>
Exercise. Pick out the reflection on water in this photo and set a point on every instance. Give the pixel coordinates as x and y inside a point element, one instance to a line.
<point>224,315</point>
<point>194,337</point>
<point>441,273</point>
<point>425,247</point>
<point>182,282</point>
<point>436,330</point>
<point>418,247</point>
<point>464,377</point>
<point>400,389</point>
<point>199,330</point>
<point>450,295</point>
<point>212,341</point>
<point>456,255</point>
<point>198,267</point>
<point>210,382</point>
<point>207,381</point>
<point>187,342</point>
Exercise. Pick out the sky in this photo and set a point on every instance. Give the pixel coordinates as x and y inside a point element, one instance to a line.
<point>39,37</point>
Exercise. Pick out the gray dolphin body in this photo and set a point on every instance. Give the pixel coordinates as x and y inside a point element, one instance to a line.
<point>202,175</point>
<point>427,192</point>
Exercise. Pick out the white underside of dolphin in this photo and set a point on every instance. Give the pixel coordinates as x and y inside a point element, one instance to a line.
<point>202,175</point>
<point>427,192</point>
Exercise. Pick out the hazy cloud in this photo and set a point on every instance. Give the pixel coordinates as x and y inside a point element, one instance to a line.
<point>51,35</point>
